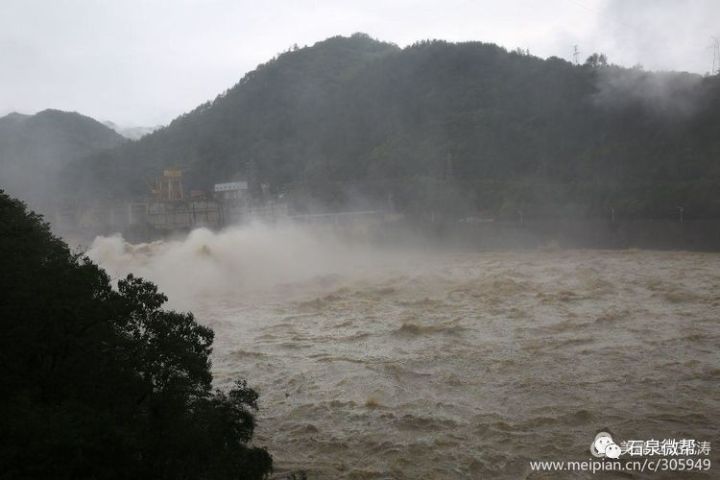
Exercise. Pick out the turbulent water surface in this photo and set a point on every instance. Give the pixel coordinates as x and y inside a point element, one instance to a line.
<point>389,364</point>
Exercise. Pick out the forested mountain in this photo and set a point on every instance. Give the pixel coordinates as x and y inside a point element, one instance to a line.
<point>443,127</point>
<point>34,148</point>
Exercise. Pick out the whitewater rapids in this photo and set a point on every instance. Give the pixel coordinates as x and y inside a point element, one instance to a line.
<point>386,363</point>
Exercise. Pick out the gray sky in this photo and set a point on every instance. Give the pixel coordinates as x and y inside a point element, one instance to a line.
<point>143,62</point>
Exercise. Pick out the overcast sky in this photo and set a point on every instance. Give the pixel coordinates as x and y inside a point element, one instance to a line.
<point>143,62</point>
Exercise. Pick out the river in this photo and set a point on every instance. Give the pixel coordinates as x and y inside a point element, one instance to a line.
<point>377,363</point>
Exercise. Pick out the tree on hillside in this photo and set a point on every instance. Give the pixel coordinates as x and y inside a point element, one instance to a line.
<point>102,383</point>
<point>597,60</point>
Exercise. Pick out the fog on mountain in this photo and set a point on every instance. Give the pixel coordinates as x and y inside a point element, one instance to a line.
<point>443,260</point>
<point>354,118</point>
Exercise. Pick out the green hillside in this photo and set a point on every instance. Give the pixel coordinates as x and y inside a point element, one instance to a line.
<point>35,148</point>
<point>442,127</point>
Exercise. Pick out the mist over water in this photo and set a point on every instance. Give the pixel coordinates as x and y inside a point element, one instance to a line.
<point>383,363</point>
<point>238,261</point>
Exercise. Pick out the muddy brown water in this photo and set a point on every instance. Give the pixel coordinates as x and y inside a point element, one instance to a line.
<point>453,365</point>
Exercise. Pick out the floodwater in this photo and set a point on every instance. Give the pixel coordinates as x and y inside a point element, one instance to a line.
<point>427,364</point>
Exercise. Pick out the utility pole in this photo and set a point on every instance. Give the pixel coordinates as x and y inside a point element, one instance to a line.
<point>716,56</point>
<point>682,214</point>
<point>576,55</point>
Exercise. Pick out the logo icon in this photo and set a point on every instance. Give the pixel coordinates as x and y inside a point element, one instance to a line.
<point>604,446</point>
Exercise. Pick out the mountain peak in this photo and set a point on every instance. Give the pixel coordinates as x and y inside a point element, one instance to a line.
<point>352,117</point>
<point>34,148</point>
<point>14,117</point>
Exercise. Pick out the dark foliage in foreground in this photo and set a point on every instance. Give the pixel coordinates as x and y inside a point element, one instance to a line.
<point>105,384</point>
